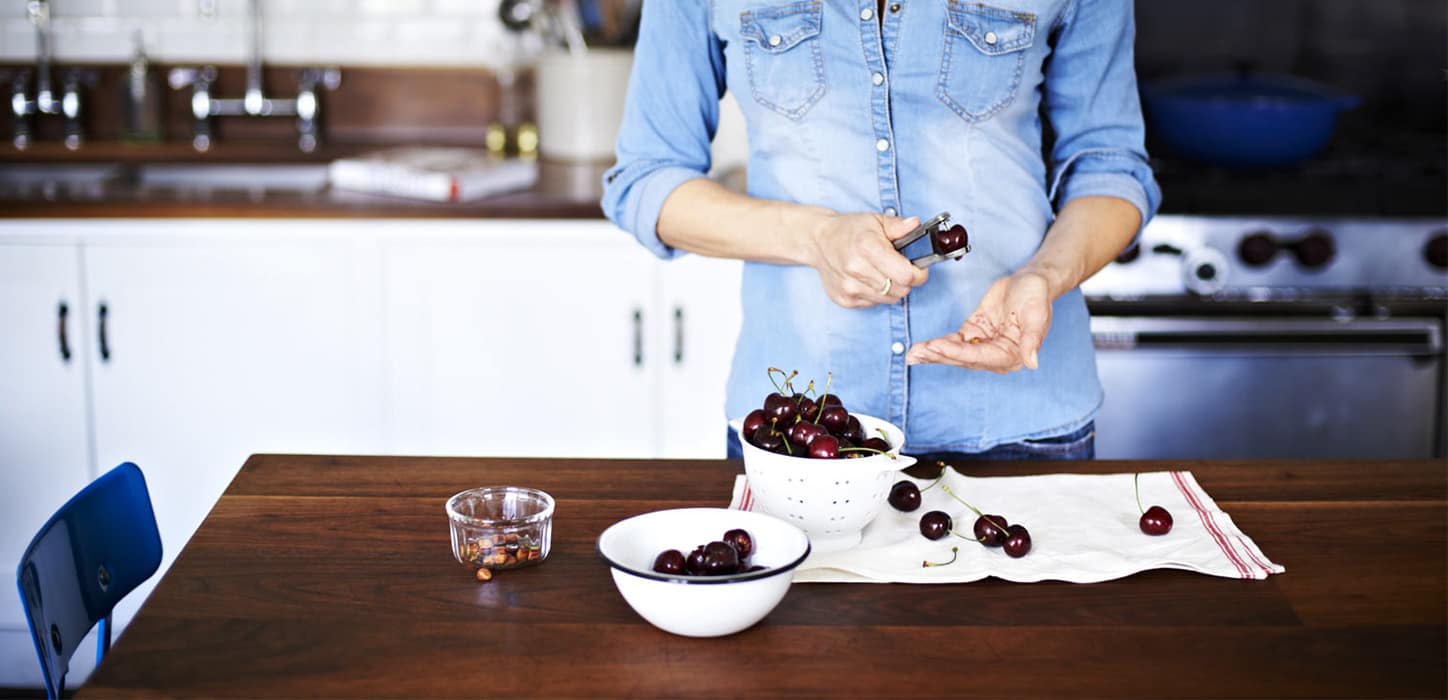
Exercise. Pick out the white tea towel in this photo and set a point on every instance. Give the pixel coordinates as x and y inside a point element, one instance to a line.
<point>1083,530</point>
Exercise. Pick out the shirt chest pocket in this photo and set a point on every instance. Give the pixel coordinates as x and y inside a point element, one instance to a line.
<point>984,57</point>
<point>782,56</point>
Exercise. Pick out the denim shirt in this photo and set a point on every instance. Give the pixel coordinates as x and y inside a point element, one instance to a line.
<point>936,108</point>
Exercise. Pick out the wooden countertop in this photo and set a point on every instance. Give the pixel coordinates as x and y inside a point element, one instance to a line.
<point>332,577</point>
<point>563,191</point>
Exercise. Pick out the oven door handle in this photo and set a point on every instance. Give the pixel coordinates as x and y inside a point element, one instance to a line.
<point>1237,336</point>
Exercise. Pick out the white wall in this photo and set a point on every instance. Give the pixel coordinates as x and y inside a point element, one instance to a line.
<point>330,32</point>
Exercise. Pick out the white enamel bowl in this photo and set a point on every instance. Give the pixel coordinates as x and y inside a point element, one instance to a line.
<point>832,500</point>
<point>701,606</point>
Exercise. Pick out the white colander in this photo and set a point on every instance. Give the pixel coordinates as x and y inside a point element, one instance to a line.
<point>832,500</point>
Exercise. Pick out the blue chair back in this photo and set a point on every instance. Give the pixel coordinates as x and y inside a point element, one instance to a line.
<point>96,549</point>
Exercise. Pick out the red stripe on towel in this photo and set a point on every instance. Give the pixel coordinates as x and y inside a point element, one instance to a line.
<point>1211,526</point>
<point>1248,550</point>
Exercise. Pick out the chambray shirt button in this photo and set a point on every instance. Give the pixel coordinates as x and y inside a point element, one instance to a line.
<point>877,78</point>
<point>776,40</point>
<point>866,14</point>
<point>897,348</point>
<point>882,145</point>
<point>889,211</point>
<point>991,38</point>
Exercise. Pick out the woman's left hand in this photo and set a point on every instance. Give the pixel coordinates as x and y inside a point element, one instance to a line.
<point>1004,333</point>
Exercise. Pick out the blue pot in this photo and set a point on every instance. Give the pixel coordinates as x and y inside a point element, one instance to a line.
<point>1243,121</point>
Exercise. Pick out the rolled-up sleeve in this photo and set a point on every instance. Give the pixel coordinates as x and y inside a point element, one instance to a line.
<point>670,116</point>
<point>1093,107</point>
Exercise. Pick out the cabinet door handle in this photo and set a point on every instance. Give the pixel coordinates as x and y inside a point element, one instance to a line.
<point>638,337</point>
<point>105,345</point>
<point>678,335</point>
<point>62,321</point>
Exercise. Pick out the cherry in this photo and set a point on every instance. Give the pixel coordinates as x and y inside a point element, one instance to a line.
<point>949,240</point>
<point>825,446</point>
<point>904,496</point>
<point>669,561</point>
<point>831,400</point>
<point>853,430</point>
<point>876,444</point>
<point>803,434</point>
<point>742,541</point>
<point>935,524</point>
<point>752,422</point>
<point>766,438</point>
<point>752,569</point>
<point>834,418</point>
<point>808,409</point>
<point>988,530</point>
<point>1018,541</point>
<point>1155,521</point>
<point>720,559</point>
<point>780,407</point>
<point>694,563</point>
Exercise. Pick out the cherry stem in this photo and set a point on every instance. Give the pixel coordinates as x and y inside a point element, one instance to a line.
<point>972,508</point>
<point>933,483</point>
<point>829,379</point>
<point>770,373</point>
<point>963,537</point>
<point>870,449</point>
<point>954,554</point>
<point>1136,484</point>
<point>805,394</point>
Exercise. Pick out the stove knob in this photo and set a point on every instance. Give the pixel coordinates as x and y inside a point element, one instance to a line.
<point>1257,249</point>
<point>1314,250</point>
<point>1129,255</point>
<point>1436,252</point>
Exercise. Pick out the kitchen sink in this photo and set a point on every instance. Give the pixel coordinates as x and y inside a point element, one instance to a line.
<point>293,178</point>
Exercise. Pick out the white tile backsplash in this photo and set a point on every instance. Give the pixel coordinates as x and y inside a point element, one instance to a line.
<point>330,32</point>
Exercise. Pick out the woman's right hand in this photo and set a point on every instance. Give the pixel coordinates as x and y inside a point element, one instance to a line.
<point>855,255</point>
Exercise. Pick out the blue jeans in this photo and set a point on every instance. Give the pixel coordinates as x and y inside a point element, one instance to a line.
<point>1080,444</point>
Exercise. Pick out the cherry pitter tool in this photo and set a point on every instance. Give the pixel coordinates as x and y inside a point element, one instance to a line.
<point>946,243</point>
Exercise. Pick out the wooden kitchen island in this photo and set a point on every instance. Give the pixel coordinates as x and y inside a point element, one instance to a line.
<point>332,577</point>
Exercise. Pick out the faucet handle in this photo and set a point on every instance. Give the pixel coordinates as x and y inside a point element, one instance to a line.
<point>329,78</point>
<point>179,78</point>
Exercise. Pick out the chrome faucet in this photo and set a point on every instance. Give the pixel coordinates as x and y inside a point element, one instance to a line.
<point>254,102</point>
<point>22,107</point>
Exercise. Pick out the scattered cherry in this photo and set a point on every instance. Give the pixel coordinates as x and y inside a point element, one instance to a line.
<point>1018,541</point>
<point>935,524</point>
<point>669,561</point>
<point>905,496</point>
<point>1156,521</point>
<point>988,530</point>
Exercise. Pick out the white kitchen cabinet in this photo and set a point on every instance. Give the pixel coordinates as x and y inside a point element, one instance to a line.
<point>208,352</point>
<point>44,448</point>
<point>520,339</point>
<point>697,325</point>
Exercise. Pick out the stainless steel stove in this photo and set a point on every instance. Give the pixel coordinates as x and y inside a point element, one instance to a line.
<point>1267,337</point>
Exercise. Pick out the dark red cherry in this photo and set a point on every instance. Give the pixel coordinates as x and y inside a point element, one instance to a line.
<point>743,542</point>
<point>1018,541</point>
<point>1155,521</point>
<point>904,496</point>
<point>834,418</point>
<point>875,443</point>
<point>803,434</point>
<point>853,430</point>
<point>988,530</point>
<point>935,524</point>
<point>752,569</point>
<point>720,559</point>
<point>831,400</point>
<point>669,561</point>
<point>694,562</point>
<point>949,240</point>
<point>824,446</point>
<point>768,439</point>
<point>752,422</point>
<point>808,409</point>
<point>781,408</point>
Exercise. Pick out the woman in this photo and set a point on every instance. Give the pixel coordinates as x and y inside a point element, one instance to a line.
<point>862,113</point>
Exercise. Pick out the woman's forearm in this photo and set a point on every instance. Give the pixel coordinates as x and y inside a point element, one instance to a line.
<point>703,217</point>
<point>1088,233</point>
